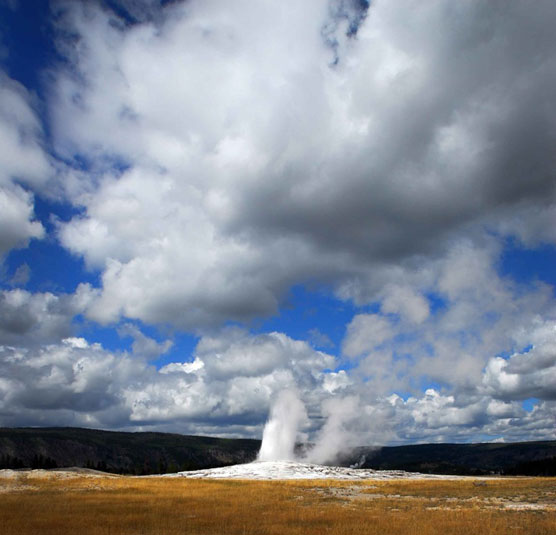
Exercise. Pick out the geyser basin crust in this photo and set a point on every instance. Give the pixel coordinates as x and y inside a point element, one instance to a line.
<point>296,470</point>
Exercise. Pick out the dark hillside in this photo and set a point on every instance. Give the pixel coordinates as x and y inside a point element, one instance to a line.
<point>131,453</point>
<point>519,458</point>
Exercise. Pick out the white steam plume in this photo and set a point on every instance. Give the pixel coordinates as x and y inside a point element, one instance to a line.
<point>345,427</point>
<point>280,431</point>
<point>335,436</point>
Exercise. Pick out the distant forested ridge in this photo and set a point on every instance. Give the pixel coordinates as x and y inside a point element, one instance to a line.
<point>517,458</point>
<point>119,452</point>
<point>156,453</point>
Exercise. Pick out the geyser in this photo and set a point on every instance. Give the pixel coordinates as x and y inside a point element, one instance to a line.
<point>280,431</point>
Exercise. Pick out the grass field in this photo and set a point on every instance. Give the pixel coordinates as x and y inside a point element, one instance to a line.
<point>41,503</point>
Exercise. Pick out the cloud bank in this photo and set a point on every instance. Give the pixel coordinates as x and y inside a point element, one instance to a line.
<point>252,161</point>
<point>215,154</point>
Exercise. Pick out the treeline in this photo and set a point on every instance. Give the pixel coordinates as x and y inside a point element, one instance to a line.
<point>542,467</point>
<point>37,462</point>
<point>141,469</point>
<point>146,468</point>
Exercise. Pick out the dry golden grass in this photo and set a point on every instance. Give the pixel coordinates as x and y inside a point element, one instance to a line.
<point>136,506</point>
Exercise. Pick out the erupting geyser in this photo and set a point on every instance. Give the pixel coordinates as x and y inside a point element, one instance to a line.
<point>277,459</point>
<point>280,431</point>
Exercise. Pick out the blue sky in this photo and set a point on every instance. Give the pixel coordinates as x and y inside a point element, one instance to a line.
<point>204,205</point>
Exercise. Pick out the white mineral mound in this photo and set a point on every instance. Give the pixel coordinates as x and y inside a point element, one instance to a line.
<point>295,470</point>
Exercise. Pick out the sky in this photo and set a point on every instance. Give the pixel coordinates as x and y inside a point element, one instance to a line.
<point>205,204</point>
